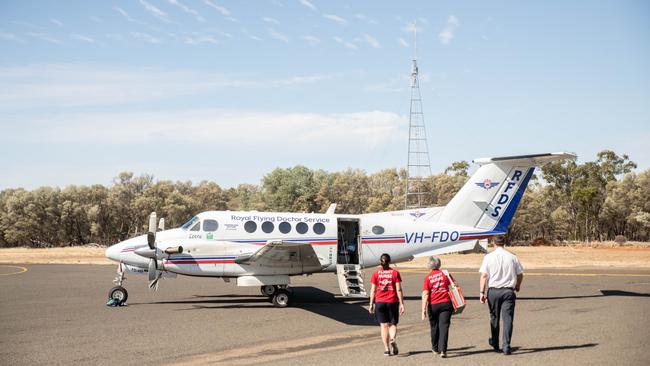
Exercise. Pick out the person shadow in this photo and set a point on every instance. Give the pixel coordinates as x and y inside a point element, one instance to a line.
<point>469,350</point>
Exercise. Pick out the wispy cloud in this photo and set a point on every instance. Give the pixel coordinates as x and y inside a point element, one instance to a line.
<point>75,85</point>
<point>402,42</point>
<point>250,35</point>
<point>372,41</point>
<point>145,37</point>
<point>196,40</point>
<point>366,129</point>
<point>44,37</point>
<point>225,12</point>
<point>335,18</point>
<point>365,18</point>
<point>345,43</point>
<point>312,40</point>
<point>308,4</point>
<point>127,16</point>
<point>447,34</point>
<point>11,37</point>
<point>270,20</point>
<point>277,35</point>
<point>56,22</point>
<point>155,12</point>
<point>82,38</point>
<point>411,27</point>
<point>188,10</point>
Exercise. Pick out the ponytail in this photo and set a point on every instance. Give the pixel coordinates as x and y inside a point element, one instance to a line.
<point>384,261</point>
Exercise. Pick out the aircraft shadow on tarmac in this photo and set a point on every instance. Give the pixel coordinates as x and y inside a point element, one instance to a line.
<point>350,311</point>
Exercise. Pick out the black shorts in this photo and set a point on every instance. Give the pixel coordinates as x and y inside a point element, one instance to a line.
<point>387,312</point>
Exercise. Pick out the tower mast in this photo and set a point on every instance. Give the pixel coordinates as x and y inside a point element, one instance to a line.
<point>418,163</point>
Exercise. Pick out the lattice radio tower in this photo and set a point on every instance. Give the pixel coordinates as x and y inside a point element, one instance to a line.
<point>418,163</point>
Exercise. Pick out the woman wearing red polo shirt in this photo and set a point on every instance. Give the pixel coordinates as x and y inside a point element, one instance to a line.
<point>386,293</point>
<point>436,303</point>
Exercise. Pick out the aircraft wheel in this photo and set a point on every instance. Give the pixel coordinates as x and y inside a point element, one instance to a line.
<point>281,299</point>
<point>118,293</point>
<point>269,290</point>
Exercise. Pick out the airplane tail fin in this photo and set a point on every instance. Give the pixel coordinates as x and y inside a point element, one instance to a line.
<point>490,197</point>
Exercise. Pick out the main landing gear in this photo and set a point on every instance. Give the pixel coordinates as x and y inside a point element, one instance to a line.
<point>280,295</point>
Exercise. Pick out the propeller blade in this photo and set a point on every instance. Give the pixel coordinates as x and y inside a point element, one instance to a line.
<point>161,224</point>
<point>151,234</point>
<point>153,284</point>
<point>152,269</point>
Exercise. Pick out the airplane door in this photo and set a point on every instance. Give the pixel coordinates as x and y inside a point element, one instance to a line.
<point>348,246</point>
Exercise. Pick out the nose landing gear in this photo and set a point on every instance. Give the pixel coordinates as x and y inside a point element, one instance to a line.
<point>117,295</point>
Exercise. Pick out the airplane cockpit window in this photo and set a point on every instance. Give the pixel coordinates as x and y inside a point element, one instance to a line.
<point>250,226</point>
<point>196,227</point>
<point>284,227</point>
<point>377,230</point>
<point>189,223</point>
<point>319,228</point>
<point>301,227</point>
<point>267,227</point>
<point>210,225</point>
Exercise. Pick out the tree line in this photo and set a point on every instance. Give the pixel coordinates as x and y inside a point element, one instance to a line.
<point>597,200</point>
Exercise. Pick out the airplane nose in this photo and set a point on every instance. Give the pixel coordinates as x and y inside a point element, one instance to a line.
<point>113,252</point>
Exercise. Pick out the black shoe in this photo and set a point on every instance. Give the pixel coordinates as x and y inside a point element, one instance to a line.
<point>495,346</point>
<point>386,353</point>
<point>393,347</point>
<point>507,351</point>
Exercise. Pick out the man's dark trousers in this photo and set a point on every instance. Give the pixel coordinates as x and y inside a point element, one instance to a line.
<point>501,302</point>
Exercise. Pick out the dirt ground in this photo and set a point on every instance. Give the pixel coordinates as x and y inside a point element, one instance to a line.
<point>578,256</point>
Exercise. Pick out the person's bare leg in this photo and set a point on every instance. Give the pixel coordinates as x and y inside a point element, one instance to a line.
<point>385,335</point>
<point>392,333</point>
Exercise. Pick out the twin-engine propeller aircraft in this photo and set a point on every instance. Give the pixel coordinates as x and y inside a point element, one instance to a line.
<point>265,249</point>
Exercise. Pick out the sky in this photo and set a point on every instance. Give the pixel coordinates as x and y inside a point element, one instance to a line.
<point>226,90</point>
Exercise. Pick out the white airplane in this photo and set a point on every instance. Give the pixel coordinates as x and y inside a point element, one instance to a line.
<point>266,248</point>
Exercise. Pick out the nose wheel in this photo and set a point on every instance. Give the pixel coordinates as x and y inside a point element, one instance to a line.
<point>119,294</point>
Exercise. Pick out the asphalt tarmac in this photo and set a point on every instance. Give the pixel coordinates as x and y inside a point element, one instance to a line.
<point>56,315</point>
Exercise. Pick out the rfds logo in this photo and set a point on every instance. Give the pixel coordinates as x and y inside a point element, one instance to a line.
<point>507,193</point>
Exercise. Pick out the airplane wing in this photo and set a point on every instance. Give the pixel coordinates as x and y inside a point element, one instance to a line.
<point>283,257</point>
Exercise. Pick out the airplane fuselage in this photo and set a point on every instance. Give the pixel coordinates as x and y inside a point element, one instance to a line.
<point>215,239</point>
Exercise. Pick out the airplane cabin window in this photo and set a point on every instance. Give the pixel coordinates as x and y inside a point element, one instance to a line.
<point>284,227</point>
<point>189,223</point>
<point>196,227</point>
<point>377,230</point>
<point>250,226</point>
<point>301,228</point>
<point>210,225</point>
<point>267,227</point>
<point>319,228</point>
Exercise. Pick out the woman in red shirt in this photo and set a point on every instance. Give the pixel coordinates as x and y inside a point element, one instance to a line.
<point>386,292</point>
<point>436,304</point>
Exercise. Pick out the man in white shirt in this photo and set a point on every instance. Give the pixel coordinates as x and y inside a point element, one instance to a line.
<point>501,276</point>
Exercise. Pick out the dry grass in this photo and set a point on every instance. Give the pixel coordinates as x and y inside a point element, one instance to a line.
<point>557,257</point>
<point>68,255</point>
<point>601,255</point>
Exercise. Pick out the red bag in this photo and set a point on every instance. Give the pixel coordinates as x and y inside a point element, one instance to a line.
<point>456,295</point>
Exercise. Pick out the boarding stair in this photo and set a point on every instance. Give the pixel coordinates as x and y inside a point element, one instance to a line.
<point>350,279</point>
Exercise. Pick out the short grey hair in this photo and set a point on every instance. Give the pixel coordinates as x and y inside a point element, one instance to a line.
<point>434,263</point>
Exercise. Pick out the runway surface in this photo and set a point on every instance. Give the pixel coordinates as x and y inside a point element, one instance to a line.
<point>55,315</point>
